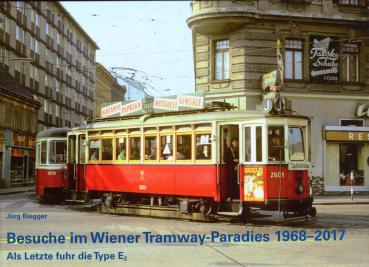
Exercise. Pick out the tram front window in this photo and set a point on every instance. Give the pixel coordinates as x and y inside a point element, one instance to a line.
<point>57,152</point>
<point>43,152</point>
<point>296,144</point>
<point>275,143</point>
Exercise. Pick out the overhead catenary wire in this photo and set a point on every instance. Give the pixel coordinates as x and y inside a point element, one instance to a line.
<point>94,15</point>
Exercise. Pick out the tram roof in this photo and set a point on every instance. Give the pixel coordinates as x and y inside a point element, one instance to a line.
<point>53,132</point>
<point>176,118</point>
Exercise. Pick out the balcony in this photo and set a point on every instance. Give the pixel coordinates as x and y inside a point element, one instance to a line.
<point>216,17</point>
<point>213,18</point>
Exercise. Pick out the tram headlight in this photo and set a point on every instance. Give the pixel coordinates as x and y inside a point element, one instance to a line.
<point>299,188</point>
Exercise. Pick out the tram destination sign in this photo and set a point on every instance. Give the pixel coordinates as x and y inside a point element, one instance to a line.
<point>154,105</point>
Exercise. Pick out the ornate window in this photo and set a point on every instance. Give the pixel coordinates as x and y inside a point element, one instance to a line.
<point>221,60</point>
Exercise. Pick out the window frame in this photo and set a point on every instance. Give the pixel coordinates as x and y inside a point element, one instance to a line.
<point>117,137</point>
<point>283,158</point>
<point>302,131</point>
<point>223,51</point>
<point>210,144</point>
<point>346,74</point>
<point>190,133</point>
<point>94,138</point>
<point>101,150</point>
<point>253,144</point>
<point>173,147</point>
<point>129,148</point>
<point>144,149</point>
<point>294,50</point>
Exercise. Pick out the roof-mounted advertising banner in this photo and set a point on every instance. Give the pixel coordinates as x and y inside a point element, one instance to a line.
<point>324,58</point>
<point>155,105</point>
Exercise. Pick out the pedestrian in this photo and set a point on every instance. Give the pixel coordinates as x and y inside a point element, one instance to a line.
<point>231,157</point>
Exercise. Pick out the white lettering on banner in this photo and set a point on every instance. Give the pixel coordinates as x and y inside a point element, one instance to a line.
<point>165,103</point>
<point>110,110</point>
<point>131,107</point>
<point>190,101</point>
<point>351,136</point>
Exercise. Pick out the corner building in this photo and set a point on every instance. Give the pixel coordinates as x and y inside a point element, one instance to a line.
<point>325,48</point>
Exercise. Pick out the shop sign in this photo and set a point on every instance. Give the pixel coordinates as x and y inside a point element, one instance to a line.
<point>324,59</point>
<point>269,79</point>
<point>347,136</point>
<point>23,140</point>
<point>362,110</point>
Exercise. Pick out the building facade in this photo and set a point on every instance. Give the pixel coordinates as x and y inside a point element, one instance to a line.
<point>18,129</point>
<point>48,52</point>
<point>324,46</point>
<point>107,89</point>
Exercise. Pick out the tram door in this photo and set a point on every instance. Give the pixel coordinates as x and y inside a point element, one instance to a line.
<point>229,167</point>
<point>76,161</point>
<point>72,162</point>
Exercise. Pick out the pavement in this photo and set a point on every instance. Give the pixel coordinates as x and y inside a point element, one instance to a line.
<point>318,200</point>
<point>18,189</point>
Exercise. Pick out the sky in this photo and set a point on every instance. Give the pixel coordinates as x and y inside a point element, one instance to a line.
<point>149,36</point>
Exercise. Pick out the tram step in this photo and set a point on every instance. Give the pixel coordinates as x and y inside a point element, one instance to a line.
<point>71,196</point>
<point>228,214</point>
<point>82,196</point>
<point>230,206</point>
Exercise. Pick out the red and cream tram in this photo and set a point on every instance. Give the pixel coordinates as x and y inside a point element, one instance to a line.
<point>51,164</point>
<point>177,159</point>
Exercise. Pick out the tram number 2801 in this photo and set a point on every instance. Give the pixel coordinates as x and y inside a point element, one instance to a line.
<point>276,175</point>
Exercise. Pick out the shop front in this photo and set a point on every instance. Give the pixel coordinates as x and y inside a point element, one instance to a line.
<point>17,157</point>
<point>346,158</point>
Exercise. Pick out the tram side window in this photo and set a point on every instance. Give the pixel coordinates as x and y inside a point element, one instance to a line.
<point>296,144</point>
<point>150,148</point>
<point>203,146</point>
<point>71,149</point>
<point>275,143</point>
<point>166,147</point>
<point>121,148</point>
<point>257,130</point>
<point>247,144</point>
<point>107,149</point>
<point>134,148</point>
<point>94,149</point>
<point>38,153</point>
<point>57,152</point>
<point>259,144</point>
<point>82,147</point>
<point>43,152</point>
<point>184,145</point>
